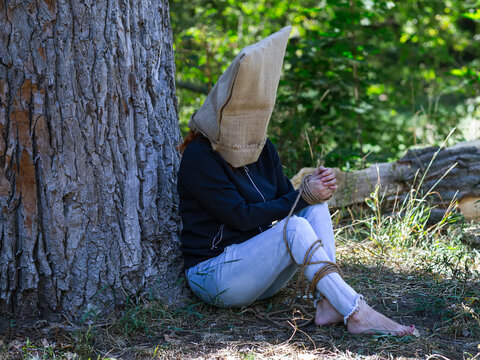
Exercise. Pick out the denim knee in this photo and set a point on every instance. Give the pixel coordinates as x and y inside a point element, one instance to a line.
<point>297,224</point>
<point>320,209</point>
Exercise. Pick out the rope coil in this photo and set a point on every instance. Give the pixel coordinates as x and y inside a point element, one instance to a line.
<point>307,193</point>
<point>330,267</point>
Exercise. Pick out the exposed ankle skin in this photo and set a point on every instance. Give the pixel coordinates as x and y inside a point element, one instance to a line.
<point>326,314</point>
<point>368,321</point>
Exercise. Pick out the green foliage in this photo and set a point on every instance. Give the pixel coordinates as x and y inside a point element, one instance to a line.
<point>362,82</point>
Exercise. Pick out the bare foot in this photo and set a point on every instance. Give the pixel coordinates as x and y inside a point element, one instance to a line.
<point>326,314</point>
<point>368,321</point>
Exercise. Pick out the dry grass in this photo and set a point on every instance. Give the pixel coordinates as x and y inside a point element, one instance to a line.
<point>443,302</point>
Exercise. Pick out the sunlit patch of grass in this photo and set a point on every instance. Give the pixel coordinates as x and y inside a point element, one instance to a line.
<point>437,279</point>
<point>426,271</point>
<point>406,233</point>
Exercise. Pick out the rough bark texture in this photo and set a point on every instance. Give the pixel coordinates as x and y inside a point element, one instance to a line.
<point>395,179</point>
<point>88,129</point>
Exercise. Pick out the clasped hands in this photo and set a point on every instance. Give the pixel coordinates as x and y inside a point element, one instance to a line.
<point>323,183</point>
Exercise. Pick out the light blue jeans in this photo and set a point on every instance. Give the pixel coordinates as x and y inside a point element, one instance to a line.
<point>261,266</point>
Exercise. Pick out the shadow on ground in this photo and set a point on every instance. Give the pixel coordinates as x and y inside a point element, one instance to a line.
<point>446,312</point>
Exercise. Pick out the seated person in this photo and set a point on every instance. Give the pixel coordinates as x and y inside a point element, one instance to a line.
<point>232,188</point>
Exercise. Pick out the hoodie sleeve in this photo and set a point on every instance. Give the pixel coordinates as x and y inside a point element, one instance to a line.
<point>205,178</point>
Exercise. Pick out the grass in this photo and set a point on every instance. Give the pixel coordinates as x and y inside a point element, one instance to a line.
<point>432,283</point>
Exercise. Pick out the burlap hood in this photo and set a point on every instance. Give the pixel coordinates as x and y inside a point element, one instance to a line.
<point>235,114</point>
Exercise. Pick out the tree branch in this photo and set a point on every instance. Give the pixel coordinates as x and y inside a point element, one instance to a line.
<point>198,88</point>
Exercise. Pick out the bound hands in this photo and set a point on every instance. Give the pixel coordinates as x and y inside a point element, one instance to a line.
<point>323,183</point>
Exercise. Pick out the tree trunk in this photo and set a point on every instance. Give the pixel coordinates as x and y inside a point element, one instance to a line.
<point>88,124</point>
<point>396,179</point>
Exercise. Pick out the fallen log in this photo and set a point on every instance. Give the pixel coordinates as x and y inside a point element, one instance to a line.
<point>450,174</point>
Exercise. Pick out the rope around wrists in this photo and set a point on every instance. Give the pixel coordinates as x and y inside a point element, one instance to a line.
<point>329,267</point>
<point>307,193</point>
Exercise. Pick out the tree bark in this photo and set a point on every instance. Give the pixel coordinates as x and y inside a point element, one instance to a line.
<point>396,179</point>
<point>88,130</point>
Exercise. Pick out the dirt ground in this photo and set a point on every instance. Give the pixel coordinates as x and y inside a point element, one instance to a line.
<point>445,311</point>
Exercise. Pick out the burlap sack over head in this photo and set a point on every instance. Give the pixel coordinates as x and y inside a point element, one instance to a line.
<point>236,112</point>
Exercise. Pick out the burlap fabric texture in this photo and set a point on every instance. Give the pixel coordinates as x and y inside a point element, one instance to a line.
<point>236,112</point>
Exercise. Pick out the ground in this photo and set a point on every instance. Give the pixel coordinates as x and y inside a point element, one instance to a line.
<point>436,287</point>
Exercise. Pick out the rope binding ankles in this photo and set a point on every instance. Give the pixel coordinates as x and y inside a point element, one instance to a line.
<point>329,267</point>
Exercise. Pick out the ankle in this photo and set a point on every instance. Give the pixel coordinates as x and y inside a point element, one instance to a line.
<point>358,312</point>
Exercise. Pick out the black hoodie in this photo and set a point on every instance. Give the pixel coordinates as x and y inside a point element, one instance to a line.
<point>221,206</point>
